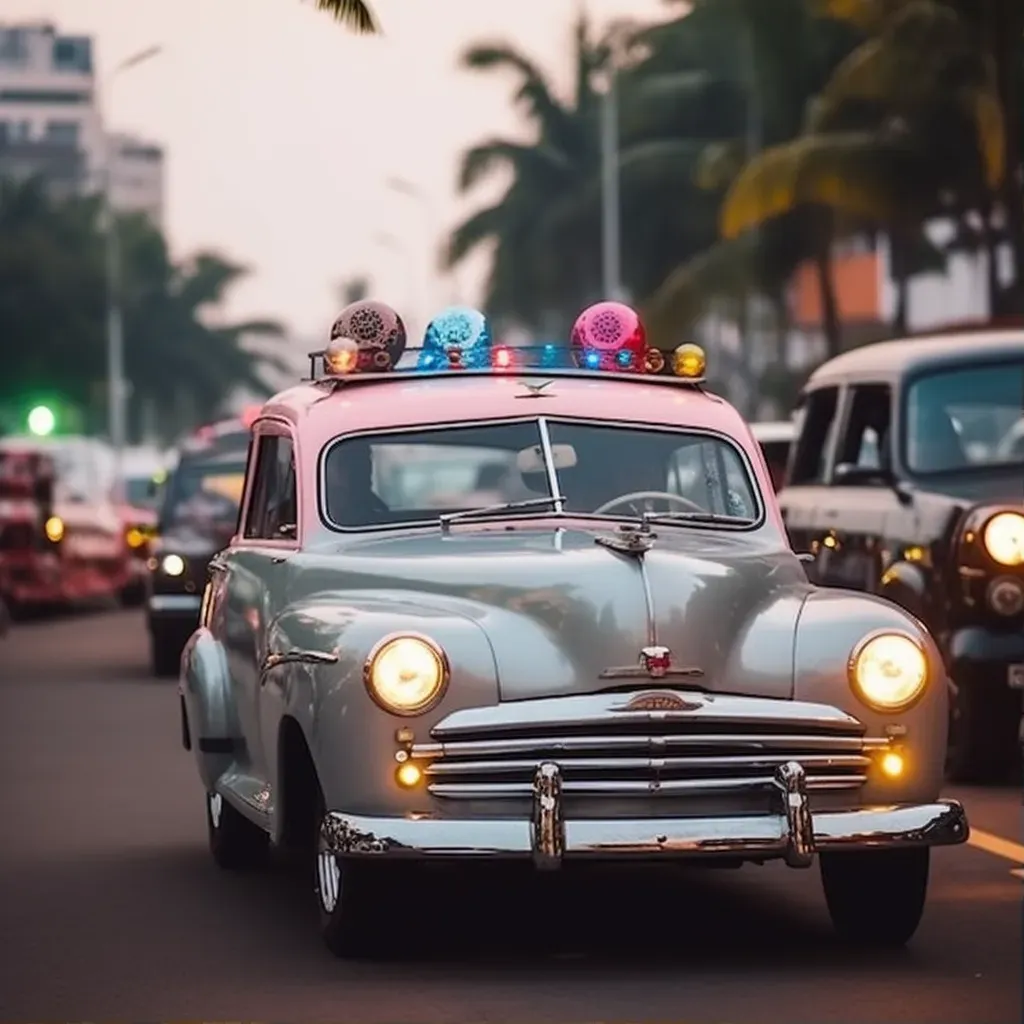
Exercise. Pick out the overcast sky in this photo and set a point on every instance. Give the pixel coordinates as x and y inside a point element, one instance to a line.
<point>282,129</point>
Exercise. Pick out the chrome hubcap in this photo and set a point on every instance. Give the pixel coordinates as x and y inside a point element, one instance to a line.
<point>215,802</point>
<point>328,880</point>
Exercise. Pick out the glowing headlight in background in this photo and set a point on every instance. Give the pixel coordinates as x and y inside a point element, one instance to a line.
<point>406,674</point>
<point>173,565</point>
<point>888,671</point>
<point>1004,538</point>
<point>54,529</point>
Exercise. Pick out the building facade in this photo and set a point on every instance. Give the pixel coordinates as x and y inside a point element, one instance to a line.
<point>51,122</point>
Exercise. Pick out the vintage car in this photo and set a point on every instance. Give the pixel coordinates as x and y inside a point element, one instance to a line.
<point>776,441</point>
<point>78,550</point>
<point>197,517</point>
<point>621,659</point>
<point>906,482</point>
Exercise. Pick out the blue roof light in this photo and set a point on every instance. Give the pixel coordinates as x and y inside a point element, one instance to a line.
<point>459,337</point>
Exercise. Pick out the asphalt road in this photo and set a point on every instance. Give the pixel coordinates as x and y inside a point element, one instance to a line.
<point>110,907</point>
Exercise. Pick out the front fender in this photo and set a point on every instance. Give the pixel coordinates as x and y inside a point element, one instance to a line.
<point>352,739</point>
<point>976,647</point>
<point>831,624</point>
<point>212,718</point>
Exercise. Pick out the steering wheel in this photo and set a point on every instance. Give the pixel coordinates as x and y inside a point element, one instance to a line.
<point>665,496</point>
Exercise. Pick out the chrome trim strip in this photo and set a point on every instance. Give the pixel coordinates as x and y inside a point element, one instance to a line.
<point>174,602</point>
<point>638,787</point>
<point>446,767</point>
<point>296,657</point>
<point>942,823</point>
<point>652,618</point>
<point>541,745</point>
<point>549,714</point>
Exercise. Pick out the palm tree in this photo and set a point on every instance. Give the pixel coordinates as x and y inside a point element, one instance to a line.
<point>533,271</point>
<point>354,14</point>
<point>970,50</point>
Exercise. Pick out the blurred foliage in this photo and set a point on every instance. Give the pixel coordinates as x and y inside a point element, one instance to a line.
<point>353,14</point>
<point>53,289</point>
<point>753,137</point>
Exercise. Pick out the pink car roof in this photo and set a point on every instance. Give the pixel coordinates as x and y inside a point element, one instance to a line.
<point>319,415</point>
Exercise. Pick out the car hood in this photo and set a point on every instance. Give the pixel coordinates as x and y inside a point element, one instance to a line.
<point>191,542</point>
<point>560,609</point>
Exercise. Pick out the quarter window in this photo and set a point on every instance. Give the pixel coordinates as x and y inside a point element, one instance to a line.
<point>867,439</point>
<point>273,506</point>
<point>815,426</point>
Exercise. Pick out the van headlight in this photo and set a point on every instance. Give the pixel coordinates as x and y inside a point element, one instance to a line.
<point>1003,538</point>
<point>173,565</point>
<point>406,674</point>
<point>888,671</point>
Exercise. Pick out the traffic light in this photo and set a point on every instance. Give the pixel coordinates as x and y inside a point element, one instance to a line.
<point>41,421</point>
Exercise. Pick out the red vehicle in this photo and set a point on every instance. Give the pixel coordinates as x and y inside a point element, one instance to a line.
<point>63,539</point>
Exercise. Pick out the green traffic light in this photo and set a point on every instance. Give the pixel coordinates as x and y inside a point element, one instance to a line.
<point>41,421</point>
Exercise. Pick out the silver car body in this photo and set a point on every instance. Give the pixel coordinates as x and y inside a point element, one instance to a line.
<point>558,736</point>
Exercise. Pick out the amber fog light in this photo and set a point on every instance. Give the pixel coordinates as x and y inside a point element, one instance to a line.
<point>1005,596</point>
<point>408,775</point>
<point>892,764</point>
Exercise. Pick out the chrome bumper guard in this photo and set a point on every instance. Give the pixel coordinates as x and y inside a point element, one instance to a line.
<point>794,835</point>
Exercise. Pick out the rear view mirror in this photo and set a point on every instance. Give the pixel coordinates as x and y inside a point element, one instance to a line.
<point>531,460</point>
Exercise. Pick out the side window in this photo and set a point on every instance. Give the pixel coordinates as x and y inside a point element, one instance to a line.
<point>816,421</point>
<point>866,440</point>
<point>272,507</point>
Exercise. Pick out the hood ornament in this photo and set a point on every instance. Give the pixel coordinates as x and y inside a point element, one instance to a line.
<point>655,663</point>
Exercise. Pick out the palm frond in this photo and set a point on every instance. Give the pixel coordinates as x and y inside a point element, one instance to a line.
<point>853,172</point>
<point>534,93</point>
<point>353,14</point>
<point>483,159</point>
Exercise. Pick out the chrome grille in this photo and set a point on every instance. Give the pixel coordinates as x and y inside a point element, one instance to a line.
<point>721,744</point>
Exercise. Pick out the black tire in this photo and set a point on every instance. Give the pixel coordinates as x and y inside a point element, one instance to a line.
<point>236,844</point>
<point>348,892</point>
<point>165,653</point>
<point>876,897</point>
<point>984,735</point>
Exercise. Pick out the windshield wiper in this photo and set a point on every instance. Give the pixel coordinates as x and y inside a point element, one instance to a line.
<point>553,501</point>
<point>695,517</point>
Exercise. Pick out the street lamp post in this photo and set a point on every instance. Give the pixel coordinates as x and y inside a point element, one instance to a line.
<point>115,325</point>
<point>432,225</point>
<point>610,191</point>
<point>388,241</point>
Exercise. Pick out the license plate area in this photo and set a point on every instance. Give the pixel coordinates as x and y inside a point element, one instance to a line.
<point>1015,677</point>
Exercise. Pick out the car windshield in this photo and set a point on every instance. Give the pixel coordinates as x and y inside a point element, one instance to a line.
<point>139,491</point>
<point>598,468</point>
<point>204,492</point>
<point>965,418</point>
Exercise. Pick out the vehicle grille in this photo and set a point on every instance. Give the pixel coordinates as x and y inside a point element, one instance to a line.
<point>728,744</point>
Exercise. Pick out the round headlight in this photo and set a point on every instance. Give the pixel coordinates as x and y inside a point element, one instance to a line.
<point>888,671</point>
<point>173,565</point>
<point>1004,538</point>
<point>406,674</point>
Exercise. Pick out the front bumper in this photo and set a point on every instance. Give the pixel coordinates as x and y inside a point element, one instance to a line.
<point>793,834</point>
<point>175,609</point>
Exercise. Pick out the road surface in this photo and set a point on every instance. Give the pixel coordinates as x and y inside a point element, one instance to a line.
<point>111,908</point>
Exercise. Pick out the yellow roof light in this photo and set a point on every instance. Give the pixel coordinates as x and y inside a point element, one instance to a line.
<point>689,361</point>
<point>341,357</point>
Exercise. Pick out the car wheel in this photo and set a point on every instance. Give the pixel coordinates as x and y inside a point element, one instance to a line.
<point>353,922</point>
<point>235,842</point>
<point>984,739</point>
<point>876,897</point>
<point>165,653</point>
